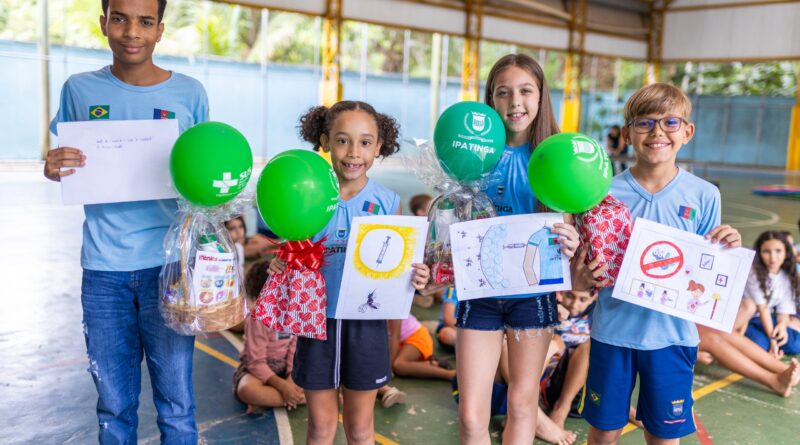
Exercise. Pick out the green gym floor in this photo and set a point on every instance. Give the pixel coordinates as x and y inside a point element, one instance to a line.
<point>48,397</point>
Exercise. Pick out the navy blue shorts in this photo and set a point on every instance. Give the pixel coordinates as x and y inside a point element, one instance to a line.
<point>355,355</point>
<point>755,332</point>
<point>665,388</point>
<point>493,314</point>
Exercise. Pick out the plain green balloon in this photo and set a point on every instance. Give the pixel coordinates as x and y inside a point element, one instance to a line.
<point>297,194</point>
<point>469,138</point>
<point>570,172</point>
<point>211,163</point>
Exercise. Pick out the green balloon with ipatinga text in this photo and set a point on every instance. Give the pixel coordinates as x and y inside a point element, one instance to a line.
<point>211,163</point>
<point>469,138</point>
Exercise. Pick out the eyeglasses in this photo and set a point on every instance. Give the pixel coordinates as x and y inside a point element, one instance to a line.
<point>670,124</point>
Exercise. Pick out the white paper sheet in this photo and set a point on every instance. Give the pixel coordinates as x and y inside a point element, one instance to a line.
<point>508,255</point>
<point>682,274</point>
<point>125,160</point>
<point>376,284</point>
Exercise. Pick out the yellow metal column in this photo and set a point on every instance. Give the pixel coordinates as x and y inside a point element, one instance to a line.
<point>793,151</point>
<point>331,88</point>
<point>571,103</point>
<point>470,64</point>
<point>655,40</point>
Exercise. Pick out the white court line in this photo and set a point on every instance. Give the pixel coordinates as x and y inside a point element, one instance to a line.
<point>772,217</point>
<point>753,400</point>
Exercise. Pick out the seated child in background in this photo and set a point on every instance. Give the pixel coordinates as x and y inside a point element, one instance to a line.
<point>237,231</point>
<point>264,376</point>
<point>565,372</point>
<point>418,205</point>
<point>446,330</point>
<point>262,242</point>
<point>741,355</point>
<point>767,313</point>
<point>411,351</point>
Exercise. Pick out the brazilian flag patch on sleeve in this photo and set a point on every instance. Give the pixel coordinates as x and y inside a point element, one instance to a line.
<point>99,112</point>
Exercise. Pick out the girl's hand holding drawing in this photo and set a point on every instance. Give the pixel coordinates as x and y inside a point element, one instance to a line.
<point>587,276</point>
<point>420,275</point>
<point>568,236</point>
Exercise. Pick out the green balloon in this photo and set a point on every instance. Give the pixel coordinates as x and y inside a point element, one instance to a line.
<point>210,163</point>
<point>469,140</point>
<point>297,194</point>
<point>570,172</point>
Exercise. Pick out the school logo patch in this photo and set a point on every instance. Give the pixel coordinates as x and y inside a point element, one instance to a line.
<point>595,397</point>
<point>99,112</point>
<point>341,233</point>
<point>687,213</point>
<point>158,113</point>
<point>677,408</point>
<point>371,207</point>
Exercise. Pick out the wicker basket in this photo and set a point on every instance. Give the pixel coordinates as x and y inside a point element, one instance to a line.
<point>182,316</point>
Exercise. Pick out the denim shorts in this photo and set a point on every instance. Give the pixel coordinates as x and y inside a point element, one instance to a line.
<point>493,314</point>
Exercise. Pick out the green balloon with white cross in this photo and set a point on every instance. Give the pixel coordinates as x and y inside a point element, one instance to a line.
<point>211,163</point>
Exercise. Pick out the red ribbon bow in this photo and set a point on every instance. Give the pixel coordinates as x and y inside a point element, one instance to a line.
<point>305,253</point>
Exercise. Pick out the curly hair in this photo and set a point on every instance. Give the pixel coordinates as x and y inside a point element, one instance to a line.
<point>789,265</point>
<point>255,278</point>
<point>319,120</point>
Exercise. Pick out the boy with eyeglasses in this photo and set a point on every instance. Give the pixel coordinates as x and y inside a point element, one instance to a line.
<point>628,340</point>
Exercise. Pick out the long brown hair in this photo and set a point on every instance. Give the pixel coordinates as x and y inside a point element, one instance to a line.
<point>789,266</point>
<point>544,124</point>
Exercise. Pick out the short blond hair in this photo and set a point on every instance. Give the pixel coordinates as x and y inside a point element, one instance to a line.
<point>657,98</point>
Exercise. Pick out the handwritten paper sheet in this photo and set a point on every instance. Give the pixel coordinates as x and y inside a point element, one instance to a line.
<point>125,160</point>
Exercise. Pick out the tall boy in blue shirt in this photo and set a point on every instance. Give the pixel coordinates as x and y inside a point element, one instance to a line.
<point>629,340</point>
<point>122,251</point>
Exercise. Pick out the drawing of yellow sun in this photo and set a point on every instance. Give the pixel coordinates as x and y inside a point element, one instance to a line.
<point>382,251</point>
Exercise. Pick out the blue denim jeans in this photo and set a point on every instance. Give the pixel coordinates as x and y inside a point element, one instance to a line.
<point>122,325</point>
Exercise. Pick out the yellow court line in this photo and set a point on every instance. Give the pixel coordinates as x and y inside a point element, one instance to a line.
<point>216,354</point>
<point>714,386</point>
<point>381,439</point>
<point>697,394</point>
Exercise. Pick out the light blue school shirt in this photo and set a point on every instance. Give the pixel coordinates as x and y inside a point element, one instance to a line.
<point>373,199</point>
<point>128,236</point>
<point>687,203</point>
<point>509,188</point>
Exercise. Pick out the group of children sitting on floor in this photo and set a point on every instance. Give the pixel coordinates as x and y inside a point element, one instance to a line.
<point>766,328</point>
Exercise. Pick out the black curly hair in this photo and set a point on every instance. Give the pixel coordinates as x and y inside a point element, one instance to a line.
<point>255,278</point>
<point>319,120</point>
<point>789,263</point>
